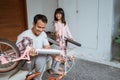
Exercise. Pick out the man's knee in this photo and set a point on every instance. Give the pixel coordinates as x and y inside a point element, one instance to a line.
<point>49,63</point>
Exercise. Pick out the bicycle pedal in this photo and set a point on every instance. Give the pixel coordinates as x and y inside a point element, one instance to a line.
<point>30,77</point>
<point>51,78</point>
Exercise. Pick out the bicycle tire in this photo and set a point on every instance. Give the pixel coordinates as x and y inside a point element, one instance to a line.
<point>71,63</point>
<point>7,46</point>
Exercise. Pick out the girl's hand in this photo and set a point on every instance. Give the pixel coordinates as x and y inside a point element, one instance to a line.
<point>71,39</point>
<point>57,35</point>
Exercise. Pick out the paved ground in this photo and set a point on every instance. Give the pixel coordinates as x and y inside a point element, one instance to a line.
<point>85,70</point>
<point>82,70</point>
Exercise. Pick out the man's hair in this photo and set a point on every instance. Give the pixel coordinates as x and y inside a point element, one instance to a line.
<point>40,17</point>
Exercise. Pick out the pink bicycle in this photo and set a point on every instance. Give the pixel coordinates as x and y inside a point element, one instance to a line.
<point>9,51</point>
<point>10,55</point>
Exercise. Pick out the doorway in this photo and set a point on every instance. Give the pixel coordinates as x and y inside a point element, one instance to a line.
<point>13,18</point>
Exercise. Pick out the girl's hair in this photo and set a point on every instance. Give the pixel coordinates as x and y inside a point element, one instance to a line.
<point>60,11</point>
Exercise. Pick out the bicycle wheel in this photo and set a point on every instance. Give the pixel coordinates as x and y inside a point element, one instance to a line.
<point>66,67</point>
<point>9,51</point>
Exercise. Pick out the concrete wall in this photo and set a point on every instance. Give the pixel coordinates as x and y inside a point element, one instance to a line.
<point>94,22</point>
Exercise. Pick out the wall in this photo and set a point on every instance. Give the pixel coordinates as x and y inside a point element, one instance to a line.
<point>46,7</point>
<point>93,21</point>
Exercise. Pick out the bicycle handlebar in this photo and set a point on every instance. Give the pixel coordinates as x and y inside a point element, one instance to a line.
<point>48,51</point>
<point>67,39</point>
<point>72,41</point>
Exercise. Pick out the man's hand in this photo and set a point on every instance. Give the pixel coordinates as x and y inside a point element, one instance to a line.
<point>33,52</point>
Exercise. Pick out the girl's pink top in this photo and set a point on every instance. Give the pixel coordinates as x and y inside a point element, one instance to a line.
<point>62,29</point>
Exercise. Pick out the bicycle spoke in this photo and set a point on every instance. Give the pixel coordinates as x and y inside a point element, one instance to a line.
<point>9,51</point>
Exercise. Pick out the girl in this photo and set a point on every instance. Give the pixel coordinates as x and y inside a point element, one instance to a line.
<point>61,31</point>
<point>61,27</point>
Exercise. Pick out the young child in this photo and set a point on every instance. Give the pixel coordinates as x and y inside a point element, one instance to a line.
<point>61,31</point>
<point>60,25</point>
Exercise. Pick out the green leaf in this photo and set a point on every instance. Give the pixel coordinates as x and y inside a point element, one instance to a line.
<point>118,30</point>
<point>117,39</point>
<point>118,54</point>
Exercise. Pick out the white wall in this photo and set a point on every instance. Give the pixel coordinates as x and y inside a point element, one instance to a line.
<point>46,7</point>
<point>82,17</point>
<point>91,23</point>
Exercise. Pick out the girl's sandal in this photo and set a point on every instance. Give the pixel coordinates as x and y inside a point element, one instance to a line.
<point>51,78</point>
<point>60,69</point>
<point>60,76</point>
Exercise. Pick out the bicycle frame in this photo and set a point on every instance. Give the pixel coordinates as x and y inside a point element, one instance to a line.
<point>25,55</point>
<point>64,48</point>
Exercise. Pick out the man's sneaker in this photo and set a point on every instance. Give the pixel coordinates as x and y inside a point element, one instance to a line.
<point>31,76</point>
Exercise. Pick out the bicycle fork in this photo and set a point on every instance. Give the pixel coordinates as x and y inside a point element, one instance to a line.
<point>25,56</point>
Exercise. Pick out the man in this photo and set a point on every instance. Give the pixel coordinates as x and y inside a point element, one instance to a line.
<point>39,38</point>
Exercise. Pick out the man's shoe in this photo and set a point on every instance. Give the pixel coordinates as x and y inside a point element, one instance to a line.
<point>50,71</point>
<point>30,77</point>
<point>51,78</point>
